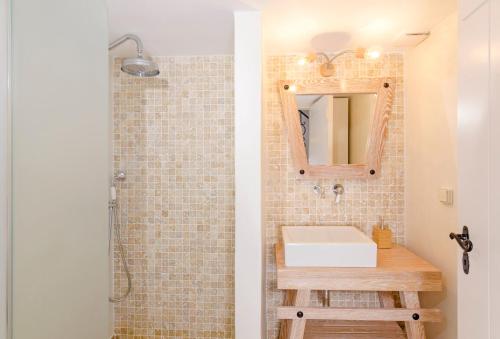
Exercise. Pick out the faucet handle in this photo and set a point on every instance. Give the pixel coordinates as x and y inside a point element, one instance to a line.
<point>318,190</point>
<point>338,189</point>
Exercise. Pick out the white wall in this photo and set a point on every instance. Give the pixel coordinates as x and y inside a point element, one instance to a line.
<point>4,164</point>
<point>60,169</point>
<point>249,315</point>
<point>431,123</point>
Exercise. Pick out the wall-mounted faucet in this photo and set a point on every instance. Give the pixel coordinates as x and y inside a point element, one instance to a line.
<point>338,189</point>
<point>318,190</point>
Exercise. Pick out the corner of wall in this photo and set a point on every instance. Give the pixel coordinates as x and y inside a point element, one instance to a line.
<point>430,161</point>
<point>249,284</point>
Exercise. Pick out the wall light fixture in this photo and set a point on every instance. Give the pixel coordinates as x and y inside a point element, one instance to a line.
<point>327,68</point>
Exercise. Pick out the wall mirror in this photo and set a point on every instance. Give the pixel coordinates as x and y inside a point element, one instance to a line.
<point>336,128</point>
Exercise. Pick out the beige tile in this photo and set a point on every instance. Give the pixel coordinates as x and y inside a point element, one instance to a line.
<point>174,136</point>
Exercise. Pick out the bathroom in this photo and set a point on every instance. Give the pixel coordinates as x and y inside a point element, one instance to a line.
<point>164,173</point>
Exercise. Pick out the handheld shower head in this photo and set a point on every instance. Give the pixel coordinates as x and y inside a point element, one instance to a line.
<point>138,66</point>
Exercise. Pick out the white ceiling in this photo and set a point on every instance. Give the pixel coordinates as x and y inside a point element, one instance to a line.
<point>189,27</point>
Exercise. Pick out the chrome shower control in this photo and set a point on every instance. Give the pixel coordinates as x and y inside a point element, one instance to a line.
<point>338,189</point>
<point>120,175</point>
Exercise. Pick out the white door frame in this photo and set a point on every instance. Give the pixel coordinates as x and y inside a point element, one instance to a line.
<point>5,165</point>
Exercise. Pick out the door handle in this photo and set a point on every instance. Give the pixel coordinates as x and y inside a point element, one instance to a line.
<point>465,244</point>
<point>463,240</point>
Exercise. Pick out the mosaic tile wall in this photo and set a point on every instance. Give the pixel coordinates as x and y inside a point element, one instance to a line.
<point>291,201</point>
<point>174,136</point>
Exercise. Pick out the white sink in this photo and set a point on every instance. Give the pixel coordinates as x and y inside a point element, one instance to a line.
<point>328,246</point>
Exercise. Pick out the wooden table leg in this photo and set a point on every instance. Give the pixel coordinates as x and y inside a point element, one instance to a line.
<point>286,324</point>
<point>414,329</point>
<point>386,299</point>
<point>298,326</point>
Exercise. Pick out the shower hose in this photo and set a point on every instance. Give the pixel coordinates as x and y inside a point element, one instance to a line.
<point>113,224</point>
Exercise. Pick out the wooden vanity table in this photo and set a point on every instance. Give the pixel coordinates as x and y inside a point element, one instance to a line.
<point>398,270</point>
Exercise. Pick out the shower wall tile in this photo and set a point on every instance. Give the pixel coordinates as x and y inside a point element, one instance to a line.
<point>174,136</point>
<point>291,201</point>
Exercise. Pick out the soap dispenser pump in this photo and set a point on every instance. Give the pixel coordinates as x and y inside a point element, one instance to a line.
<point>382,235</point>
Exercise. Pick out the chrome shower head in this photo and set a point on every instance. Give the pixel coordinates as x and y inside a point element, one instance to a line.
<point>138,66</point>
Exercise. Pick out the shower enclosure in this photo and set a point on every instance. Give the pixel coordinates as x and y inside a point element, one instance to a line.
<point>60,170</point>
<point>141,152</point>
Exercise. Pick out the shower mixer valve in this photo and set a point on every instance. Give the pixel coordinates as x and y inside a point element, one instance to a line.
<point>120,175</point>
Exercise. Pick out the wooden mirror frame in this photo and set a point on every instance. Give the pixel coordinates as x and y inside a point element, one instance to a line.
<point>383,87</point>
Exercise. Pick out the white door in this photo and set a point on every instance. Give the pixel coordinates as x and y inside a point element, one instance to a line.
<point>478,153</point>
<point>494,234</point>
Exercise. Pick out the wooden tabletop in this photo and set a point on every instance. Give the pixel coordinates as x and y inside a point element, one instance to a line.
<point>397,269</point>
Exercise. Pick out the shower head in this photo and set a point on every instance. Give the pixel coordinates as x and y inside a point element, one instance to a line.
<point>138,66</point>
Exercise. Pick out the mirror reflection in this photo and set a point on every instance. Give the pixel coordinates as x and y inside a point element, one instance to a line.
<point>336,128</point>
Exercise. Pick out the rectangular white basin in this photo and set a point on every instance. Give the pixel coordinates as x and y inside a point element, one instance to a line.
<point>328,246</point>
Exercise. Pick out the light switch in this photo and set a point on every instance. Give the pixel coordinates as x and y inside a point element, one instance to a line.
<point>446,196</point>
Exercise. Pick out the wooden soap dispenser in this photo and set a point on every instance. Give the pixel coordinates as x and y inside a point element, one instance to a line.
<point>382,235</point>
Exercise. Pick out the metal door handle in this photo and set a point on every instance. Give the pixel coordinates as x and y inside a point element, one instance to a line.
<point>463,240</point>
<point>466,245</point>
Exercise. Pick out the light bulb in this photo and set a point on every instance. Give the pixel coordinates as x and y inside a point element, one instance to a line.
<point>308,59</point>
<point>373,53</point>
<point>302,61</point>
